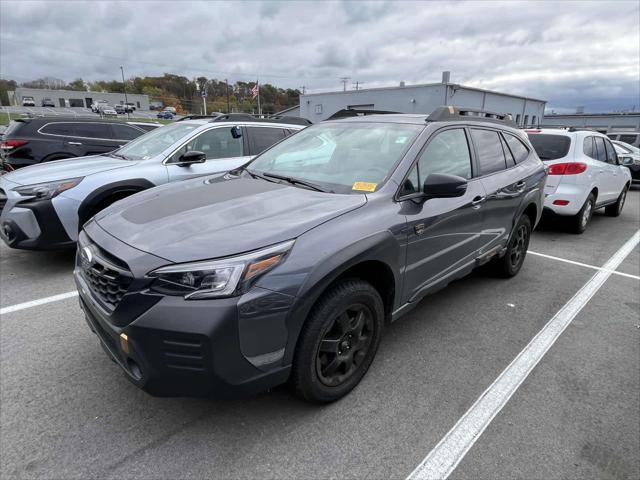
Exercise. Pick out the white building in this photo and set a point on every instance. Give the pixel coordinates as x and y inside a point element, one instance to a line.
<point>423,99</point>
<point>72,98</point>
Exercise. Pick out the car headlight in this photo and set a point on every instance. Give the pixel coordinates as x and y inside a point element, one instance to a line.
<point>49,189</point>
<point>218,278</point>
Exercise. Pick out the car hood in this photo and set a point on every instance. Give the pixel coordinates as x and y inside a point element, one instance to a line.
<point>218,217</point>
<point>67,168</point>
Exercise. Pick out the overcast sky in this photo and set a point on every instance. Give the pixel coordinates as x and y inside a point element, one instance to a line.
<point>569,53</point>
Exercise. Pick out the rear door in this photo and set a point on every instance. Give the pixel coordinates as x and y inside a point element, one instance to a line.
<point>223,153</point>
<point>444,234</point>
<point>503,185</point>
<point>91,138</point>
<point>607,174</point>
<point>260,138</point>
<point>620,180</point>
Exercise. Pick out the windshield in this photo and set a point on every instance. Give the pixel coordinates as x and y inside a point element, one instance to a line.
<point>155,142</point>
<point>339,157</point>
<point>550,147</point>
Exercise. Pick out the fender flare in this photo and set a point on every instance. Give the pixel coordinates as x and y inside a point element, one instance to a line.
<point>133,185</point>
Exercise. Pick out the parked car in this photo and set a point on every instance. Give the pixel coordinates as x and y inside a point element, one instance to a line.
<point>129,107</point>
<point>585,174</point>
<point>289,267</point>
<point>47,102</point>
<point>107,110</point>
<point>28,102</point>
<point>95,106</point>
<point>120,109</point>
<point>165,114</point>
<point>156,106</point>
<point>630,157</point>
<point>36,140</point>
<point>632,138</point>
<point>45,205</point>
<point>171,110</point>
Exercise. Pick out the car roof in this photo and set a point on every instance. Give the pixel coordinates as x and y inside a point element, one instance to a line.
<point>198,121</point>
<point>60,119</point>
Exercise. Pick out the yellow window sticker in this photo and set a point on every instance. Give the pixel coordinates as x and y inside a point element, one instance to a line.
<point>364,186</point>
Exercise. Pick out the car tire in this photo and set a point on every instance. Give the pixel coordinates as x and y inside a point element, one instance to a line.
<point>511,262</point>
<point>616,209</point>
<point>338,341</point>
<point>580,221</point>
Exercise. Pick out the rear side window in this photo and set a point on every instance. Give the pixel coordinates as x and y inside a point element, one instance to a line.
<point>550,147</point>
<point>588,148</point>
<point>65,129</point>
<point>612,157</point>
<point>123,132</point>
<point>490,155</point>
<point>518,149</point>
<point>92,130</point>
<point>261,138</point>
<point>601,153</point>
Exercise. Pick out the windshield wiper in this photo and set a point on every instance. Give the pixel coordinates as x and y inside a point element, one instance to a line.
<point>296,181</point>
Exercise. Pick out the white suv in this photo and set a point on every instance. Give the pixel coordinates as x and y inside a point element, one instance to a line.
<point>584,174</point>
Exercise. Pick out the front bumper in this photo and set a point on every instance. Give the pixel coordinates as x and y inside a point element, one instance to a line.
<point>32,224</point>
<point>176,347</point>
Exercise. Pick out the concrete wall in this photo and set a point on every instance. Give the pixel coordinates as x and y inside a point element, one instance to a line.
<point>421,99</point>
<point>72,98</point>
<point>603,123</point>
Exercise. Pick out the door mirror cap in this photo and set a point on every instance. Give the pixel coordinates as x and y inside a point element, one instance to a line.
<point>191,157</point>
<point>236,132</point>
<point>440,185</point>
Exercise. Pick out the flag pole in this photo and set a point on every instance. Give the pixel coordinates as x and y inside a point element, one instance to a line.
<point>259,107</point>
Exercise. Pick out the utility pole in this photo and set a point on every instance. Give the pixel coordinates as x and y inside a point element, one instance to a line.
<point>124,87</point>
<point>304,89</point>
<point>358,84</point>
<point>228,100</point>
<point>344,81</point>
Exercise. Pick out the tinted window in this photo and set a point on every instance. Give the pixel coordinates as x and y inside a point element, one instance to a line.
<point>507,153</point>
<point>448,153</point>
<point>601,153</point>
<point>92,130</point>
<point>122,132</point>
<point>611,153</point>
<point>519,151</point>
<point>412,183</point>
<point>215,143</point>
<point>261,138</point>
<point>588,148</point>
<point>490,155</point>
<point>58,129</point>
<point>631,139</point>
<point>550,147</point>
<point>148,128</point>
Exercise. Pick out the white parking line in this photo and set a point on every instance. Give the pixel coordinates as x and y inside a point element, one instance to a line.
<point>40,301</point>
<point>453,447</point>
<point>580,264</point>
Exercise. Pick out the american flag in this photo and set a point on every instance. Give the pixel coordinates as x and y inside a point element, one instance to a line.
<point>254,91</point>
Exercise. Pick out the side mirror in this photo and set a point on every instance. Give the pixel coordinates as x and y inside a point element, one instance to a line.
<point>191,157</point>
<point>626,161</point>
<point>439,185</point>
<point>236,132</point>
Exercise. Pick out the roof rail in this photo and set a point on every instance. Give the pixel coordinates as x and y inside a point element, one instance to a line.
<point>199,117</point>
<point>289,119</point>
<point>247,117</point>
<point>442,114</point>
<point>356,112</point>
<point>567,128</point>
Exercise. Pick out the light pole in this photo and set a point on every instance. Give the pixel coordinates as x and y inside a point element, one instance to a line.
<point>124,86</point>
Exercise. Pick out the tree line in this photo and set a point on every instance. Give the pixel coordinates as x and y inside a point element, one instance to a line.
<point>177,91</point>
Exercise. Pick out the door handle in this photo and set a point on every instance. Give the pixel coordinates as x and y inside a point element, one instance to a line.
<point>74,143</point>
<point>520,185</point>
<point>478,201</point>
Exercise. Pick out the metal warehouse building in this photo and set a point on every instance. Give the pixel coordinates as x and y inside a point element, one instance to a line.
<point>423,99</point>
<point>603,122</point>
<point>71,98</point>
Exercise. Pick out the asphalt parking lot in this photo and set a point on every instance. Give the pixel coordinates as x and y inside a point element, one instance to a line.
<point>68,412</point>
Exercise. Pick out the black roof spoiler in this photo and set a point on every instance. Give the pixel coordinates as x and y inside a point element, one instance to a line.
<point>443,114</point>
<point>356,112</point>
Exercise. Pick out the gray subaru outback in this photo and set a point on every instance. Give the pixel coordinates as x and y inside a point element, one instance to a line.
<point>287,268</point>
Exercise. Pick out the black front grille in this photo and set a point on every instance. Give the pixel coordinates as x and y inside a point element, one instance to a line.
<point>108,281</point>
<point>3,199</point>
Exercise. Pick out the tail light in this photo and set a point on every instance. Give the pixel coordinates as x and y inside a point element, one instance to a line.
<point>9,144</point>
<point>569,168</point>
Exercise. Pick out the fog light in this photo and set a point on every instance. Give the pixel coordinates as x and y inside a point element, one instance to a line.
<point>561,203</point>
<point>124,343</point>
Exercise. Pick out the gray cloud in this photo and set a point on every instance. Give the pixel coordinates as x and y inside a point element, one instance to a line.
<point>569,53</point>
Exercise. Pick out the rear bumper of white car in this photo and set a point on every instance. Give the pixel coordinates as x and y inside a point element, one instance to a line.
<point>567,199</point>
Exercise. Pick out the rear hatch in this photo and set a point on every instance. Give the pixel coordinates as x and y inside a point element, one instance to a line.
<point>553,146</point>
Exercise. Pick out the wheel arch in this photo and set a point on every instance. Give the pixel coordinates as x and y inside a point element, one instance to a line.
<point>105,192</point>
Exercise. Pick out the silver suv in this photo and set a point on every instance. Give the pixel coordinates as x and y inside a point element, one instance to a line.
<point>44,206</point>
